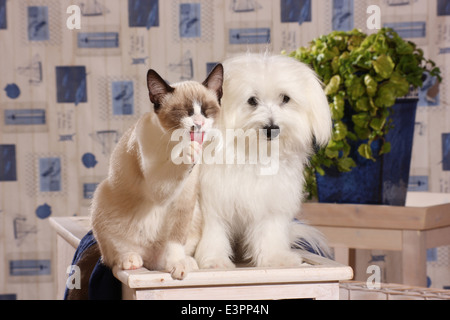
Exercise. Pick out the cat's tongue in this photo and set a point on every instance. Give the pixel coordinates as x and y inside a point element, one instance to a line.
<point>197,136</point>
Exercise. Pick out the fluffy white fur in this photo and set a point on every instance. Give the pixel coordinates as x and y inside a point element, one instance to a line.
<point>243,210</point>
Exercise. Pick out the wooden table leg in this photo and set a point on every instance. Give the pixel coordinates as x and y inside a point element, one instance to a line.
<point>414,258</point>
<point>64,257</point>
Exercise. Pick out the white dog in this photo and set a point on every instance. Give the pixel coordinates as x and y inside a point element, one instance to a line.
<point>249,208</point>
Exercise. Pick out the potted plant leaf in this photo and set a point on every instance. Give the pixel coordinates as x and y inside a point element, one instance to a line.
<point>366,79</point>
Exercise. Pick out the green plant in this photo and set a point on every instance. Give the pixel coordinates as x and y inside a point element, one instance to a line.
<point>365,73</point>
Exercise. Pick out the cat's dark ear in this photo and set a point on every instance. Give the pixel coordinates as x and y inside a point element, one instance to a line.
<point>157,88</point>
<point>214,81</point>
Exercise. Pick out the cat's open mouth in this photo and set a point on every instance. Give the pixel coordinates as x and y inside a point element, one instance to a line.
<point>197,136</point>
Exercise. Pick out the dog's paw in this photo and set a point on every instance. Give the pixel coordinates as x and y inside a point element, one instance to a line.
<point>217,263</point>
<point>179,269</point>
<point>281,259</point>
<point>131,261</point>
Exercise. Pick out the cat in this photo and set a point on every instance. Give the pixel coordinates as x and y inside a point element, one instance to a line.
<point>145,212</point>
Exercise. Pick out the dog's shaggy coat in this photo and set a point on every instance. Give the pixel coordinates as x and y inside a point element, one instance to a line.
<point>250,208</point>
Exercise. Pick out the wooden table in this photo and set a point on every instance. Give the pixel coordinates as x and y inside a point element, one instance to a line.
<point>422,224</point>
<point>318,279</point>
<point>69,232</point>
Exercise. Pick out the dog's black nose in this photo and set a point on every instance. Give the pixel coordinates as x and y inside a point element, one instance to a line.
<point>271,131</point>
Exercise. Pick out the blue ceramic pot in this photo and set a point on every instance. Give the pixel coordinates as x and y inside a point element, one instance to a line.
<point>384,181</point>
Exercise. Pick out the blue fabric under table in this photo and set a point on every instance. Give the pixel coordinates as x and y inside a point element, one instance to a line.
<point>102,283</point>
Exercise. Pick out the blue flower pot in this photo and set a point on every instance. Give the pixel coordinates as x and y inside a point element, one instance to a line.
<point>384,181</point>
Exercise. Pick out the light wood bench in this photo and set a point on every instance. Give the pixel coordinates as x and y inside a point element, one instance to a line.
<point>422,224</point>
<point>318,279</point>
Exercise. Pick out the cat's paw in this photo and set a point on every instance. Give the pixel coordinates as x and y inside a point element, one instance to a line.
<point>281,259</point>
<point>131,261</point>
<point>192,153</point>
<point>179,269</point>
<point>217,263</point>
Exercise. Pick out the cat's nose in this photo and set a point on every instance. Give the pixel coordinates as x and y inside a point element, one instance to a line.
<point>197,126</point>
<point>198,123</point>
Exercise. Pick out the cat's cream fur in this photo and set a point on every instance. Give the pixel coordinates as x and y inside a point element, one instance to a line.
<point>145,213</point>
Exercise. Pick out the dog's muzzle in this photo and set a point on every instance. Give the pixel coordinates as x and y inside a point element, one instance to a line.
<point>271,131</point>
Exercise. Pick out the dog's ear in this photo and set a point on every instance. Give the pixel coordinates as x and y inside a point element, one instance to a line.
<point>214,81</point>
<point>320,114</point>
<point>157,88</point>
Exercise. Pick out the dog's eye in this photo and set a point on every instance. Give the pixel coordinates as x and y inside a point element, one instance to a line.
<point>286,99</point>
<point>252,101</point>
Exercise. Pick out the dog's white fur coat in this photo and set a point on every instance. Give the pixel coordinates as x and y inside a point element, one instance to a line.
<point>244,210</point>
